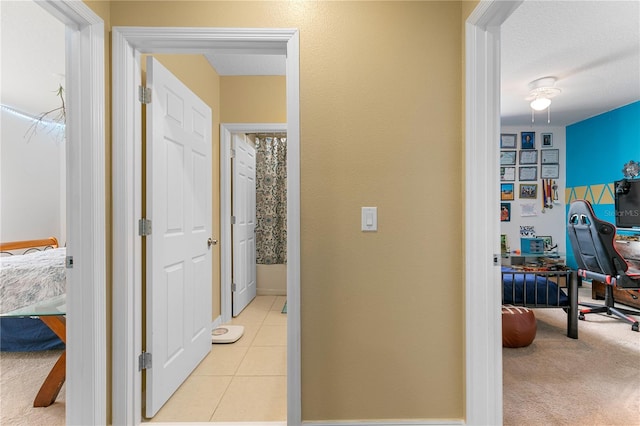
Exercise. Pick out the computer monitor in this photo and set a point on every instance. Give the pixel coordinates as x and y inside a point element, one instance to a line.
<point>627,199</point>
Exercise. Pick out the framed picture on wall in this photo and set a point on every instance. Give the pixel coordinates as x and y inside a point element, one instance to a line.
<point>507,158</point>
<point>505,212</point>
<point>529,156</point>
<point>504,243</point>
<point>529,190</point>
<point>549,171</point>
<point>508,140</point>
<point>506,191</point>
<point>528,140</point>
<point>550,156</point>
<point>507,174</point>
<point>547,140</point>
<point>528,173</point>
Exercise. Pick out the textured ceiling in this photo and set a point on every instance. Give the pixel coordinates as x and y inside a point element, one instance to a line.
<point>591,47</point>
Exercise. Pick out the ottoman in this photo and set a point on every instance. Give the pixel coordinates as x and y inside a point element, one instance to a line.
<point>518,326</point>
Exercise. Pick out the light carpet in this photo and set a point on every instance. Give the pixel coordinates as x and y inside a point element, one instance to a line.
<point>21,375</point>
<point>594,380</point>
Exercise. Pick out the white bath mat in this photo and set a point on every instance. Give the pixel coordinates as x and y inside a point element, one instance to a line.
<point>227,333</point>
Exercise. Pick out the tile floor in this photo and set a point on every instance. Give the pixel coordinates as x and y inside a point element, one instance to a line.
<point>245,381</point>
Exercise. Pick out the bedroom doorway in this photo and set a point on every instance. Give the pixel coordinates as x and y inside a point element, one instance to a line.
<point>85,212</point>
<point>482,245</point>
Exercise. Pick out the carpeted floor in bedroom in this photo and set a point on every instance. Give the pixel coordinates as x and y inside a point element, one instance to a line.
<point>594,380</point>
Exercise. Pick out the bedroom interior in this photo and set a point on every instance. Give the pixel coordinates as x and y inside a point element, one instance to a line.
<point>556,326</point>
<point>582,145</point>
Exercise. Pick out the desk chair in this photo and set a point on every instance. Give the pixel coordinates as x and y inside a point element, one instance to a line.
<point>592,241</point>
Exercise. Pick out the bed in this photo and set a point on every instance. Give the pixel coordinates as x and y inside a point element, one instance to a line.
<point>30,271</point>
<point>543,289</point>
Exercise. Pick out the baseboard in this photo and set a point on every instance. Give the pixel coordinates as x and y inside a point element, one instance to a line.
<point>428,422</point>
<point>271,292</point>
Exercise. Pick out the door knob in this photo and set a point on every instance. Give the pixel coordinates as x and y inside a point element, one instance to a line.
<point>211,242</point>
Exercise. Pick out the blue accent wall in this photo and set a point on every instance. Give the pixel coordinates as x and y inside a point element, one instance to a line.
<point>597,148</point>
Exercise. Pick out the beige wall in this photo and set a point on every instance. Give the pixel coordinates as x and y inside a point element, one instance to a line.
<point>253,99</point>
<point>381,125</point>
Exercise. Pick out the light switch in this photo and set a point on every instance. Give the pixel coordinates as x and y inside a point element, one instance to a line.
<point>369,218</point>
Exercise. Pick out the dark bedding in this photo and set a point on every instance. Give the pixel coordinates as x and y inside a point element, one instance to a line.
<point>26,335</point>
<point>531,289</point>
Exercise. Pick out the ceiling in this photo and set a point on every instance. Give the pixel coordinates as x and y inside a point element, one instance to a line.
<point>30,83</point>
<point>591,47</point>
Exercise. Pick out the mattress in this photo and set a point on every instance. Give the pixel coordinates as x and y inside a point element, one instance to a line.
<point>30,278</point>
<point>531,288</point>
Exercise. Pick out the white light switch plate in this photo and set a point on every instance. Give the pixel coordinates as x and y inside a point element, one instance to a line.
<point>369,219</point>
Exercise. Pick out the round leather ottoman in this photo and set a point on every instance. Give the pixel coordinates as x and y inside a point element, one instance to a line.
<point>518,326</point>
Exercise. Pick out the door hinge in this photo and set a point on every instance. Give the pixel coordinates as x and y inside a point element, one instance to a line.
<point>144,361</point>
<point>144,227</point>
<point>233,220</point>
<point>496,258</point>
<point>68,262</point>
<point>144,94</point>
<point>233,286</point>
<point>233,152</point>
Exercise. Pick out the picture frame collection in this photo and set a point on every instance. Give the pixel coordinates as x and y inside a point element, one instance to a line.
<point>524,163</point>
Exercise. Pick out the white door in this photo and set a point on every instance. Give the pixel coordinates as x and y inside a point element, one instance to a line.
<point>244,227</point>
<point>179,258</point>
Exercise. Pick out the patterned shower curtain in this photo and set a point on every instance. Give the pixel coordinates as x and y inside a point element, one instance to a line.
<point>271,199</point>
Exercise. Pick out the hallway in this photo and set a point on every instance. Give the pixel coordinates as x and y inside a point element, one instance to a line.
<point>245,381</point>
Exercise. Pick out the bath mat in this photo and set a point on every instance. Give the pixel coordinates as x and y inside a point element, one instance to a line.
<point>227,334</point>
<point>284,308</point>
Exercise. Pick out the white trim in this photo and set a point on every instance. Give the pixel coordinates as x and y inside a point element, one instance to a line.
<point>128,43</point>
<point>429,422</point>
<point>85,146</point>
<point>482,227</point>
<point>226,129</point>
<point>226,423</point>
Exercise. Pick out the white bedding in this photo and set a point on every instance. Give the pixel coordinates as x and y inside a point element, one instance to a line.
<point>30,278</point>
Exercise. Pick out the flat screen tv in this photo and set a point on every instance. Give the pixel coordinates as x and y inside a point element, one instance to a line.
<point>627,201</point>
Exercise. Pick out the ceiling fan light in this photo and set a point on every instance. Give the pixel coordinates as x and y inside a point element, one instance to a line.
<point>540,104</point>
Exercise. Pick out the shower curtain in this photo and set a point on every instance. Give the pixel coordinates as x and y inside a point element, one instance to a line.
<point>271,199</point>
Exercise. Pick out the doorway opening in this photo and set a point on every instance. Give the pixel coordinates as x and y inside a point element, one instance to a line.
<point>227,130</point>
<point>85,211</point>
<point>128,44</point>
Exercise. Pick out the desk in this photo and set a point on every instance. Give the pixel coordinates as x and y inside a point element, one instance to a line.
<point>629,248</point>
<point>52,312</point>
<point>550,260</point>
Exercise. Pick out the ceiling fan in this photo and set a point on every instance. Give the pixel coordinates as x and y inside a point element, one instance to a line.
<point>541,91</point>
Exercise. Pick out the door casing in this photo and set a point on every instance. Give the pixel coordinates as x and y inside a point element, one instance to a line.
<point>128,43</point>
<point>86,378</point>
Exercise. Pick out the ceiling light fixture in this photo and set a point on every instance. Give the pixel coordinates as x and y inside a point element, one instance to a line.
<point>540,93</point>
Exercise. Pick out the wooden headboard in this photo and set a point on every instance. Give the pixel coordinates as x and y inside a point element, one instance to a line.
<point>51,242</point>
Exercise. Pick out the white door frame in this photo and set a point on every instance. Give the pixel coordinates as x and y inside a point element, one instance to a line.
<point>85,152</point>
<point>128,43</point>
<point>482,225</point>
<point>226,129</point>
